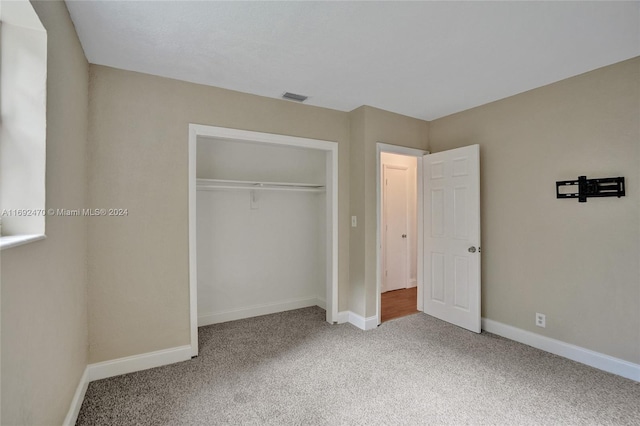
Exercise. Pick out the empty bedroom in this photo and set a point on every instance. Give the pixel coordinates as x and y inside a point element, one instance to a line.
<point>319,212</point>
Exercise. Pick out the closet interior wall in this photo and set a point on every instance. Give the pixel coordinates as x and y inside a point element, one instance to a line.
<point>260,242</point>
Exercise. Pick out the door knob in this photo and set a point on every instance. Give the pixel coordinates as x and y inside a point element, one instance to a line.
<point>472,249</point>
<point>404,235</point>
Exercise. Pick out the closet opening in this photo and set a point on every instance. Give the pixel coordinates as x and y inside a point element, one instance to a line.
<point>399,272</point>
<point>262,225</point>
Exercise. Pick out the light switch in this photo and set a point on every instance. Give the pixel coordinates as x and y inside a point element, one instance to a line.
<point>354,221</point>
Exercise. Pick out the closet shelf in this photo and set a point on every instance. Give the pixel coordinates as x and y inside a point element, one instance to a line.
<point>214,184</point>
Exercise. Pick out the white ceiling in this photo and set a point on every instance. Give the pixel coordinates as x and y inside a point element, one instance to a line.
<point>421,59</point>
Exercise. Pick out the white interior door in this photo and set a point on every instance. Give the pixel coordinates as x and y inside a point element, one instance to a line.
<point>452,236</point>
<point>396,227</point>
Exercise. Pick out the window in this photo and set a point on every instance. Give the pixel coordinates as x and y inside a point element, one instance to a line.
<point>23,89</point>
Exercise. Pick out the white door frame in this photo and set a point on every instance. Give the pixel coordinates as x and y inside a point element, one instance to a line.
<point>331,149</point>
<point>395,149</point>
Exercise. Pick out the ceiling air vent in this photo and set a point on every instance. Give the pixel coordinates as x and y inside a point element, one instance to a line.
<point>294,97</point>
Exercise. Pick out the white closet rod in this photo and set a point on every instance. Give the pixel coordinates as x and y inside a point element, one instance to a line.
<point>214,184</point>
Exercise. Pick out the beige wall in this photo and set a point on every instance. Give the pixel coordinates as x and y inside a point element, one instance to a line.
<point>578,263</point>
<point>368,127</point>
<point>356,205</point>
<point>138,265</point>
<point>44,316</point>
<point>395,129</point>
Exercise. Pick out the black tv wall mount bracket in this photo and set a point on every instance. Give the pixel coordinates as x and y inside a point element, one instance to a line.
<point>584,188</point>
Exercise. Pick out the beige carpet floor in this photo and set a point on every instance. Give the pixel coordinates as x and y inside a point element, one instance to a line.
<point>293,368</point>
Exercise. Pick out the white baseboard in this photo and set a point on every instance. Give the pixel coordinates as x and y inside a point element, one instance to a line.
<point>363,323</point>
<point>576,353</point>
<point>359,321</point>
<point>413,283</point>
<point>76,402</point>
<point>116,367</point>
<point>255,311</point>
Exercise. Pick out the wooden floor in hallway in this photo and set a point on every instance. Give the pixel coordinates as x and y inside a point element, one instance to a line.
<point>399,303</point>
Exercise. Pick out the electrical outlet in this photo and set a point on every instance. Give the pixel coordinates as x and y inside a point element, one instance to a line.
<point>541,320</point>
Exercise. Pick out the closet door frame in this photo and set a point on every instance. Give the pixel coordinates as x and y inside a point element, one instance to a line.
<point>331,186</point>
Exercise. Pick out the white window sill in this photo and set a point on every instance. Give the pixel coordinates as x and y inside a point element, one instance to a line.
<point>18,240</point>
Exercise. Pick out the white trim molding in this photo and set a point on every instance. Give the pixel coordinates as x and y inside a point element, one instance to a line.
<point>576,353</point>
<point>78,398</point>
<point>130,364</point>
<point>257,310</point>
<point>358,320</point>
<point>363,323</point>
